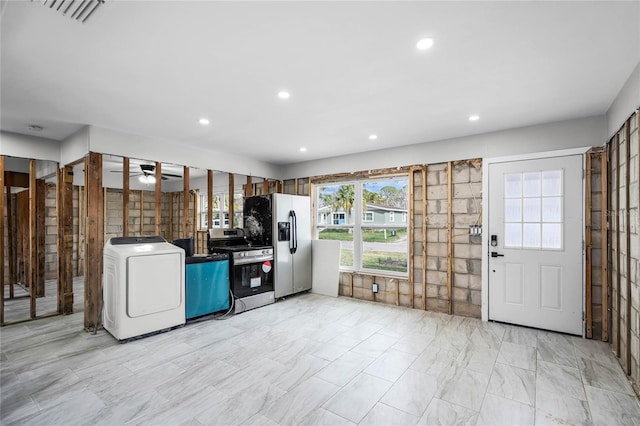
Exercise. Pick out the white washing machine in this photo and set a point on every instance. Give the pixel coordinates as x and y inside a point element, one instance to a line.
<point>143,286</point>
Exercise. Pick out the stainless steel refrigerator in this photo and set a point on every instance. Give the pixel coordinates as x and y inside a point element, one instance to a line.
<point>284,222</point>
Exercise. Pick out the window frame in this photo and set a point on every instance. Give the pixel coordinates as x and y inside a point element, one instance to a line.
<point>359,224</point>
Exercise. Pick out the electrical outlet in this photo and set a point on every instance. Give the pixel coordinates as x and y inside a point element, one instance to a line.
<point>375,287</point>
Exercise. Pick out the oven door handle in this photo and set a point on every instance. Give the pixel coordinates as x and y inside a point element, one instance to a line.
<point>293,243</point>
<point>248,260</point>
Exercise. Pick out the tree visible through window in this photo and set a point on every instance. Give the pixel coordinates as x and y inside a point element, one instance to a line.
<point>363,220</point>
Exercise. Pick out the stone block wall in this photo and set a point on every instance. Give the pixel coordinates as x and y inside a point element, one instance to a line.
<point>432,274</point>
<point>624,253</point>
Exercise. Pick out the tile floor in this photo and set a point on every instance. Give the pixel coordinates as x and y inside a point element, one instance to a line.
<point>312,360</point>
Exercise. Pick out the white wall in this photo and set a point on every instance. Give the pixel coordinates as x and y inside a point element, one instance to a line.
<point>576,133</point>
<point>74,147</point>
<point>25,146</point>
<point>112,142</point>
<point>627,101</point>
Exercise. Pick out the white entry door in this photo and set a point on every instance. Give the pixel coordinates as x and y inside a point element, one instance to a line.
<point>535,243</point>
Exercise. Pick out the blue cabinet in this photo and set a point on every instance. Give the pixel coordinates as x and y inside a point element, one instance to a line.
<point>206,285</point>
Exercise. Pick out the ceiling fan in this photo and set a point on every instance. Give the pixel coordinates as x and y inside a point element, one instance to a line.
<point>147,174</point>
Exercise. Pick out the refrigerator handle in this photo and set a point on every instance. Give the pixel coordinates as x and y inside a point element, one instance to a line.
<point>294,232</point>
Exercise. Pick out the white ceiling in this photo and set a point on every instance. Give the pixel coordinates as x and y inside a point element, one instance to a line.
<point>155,67</point>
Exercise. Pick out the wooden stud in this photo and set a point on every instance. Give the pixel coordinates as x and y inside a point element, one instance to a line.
<point>248,189</point>
<point>185,202</point>
<point>231,202</point>
<point>171,196</point>
<point>398,294</point>
<point>628,235</point>
<point>141,212</point>
<point>65,239</point>
<point>588,283</point>
<point>158,201</point>
<point>209,199</point>
<point>82,230</point>
<point>351,285</point>
<point>424,238</point>
<point>605,250</point>
<point>2,206</point>
<point>265,186</point>
<point>449,241</point>
<point>94,242</point>
<point>104,214</point>
<point>196,209</point>
<point>125,196</point>
<point>619,293</point>
<point>41,195</point>
<point>412,226</point>
<point>18,180</point>
<point>11,237</point>
<point>32,244</point>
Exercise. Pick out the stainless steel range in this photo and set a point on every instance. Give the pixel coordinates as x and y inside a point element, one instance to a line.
<point>251,268</point>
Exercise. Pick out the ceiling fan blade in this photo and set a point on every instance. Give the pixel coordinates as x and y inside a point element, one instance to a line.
<point>171,175</point>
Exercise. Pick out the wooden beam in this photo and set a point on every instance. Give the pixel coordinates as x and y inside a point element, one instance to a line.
<point>588,283</point>
<point>605,247</point>
<point>412,227</point>
<point>424,238</point>
<point>11,237</point>
<point>209,199</point>
<point>231,206</point>
<point>82,229</point>
<point>2,206</point>
<point>627,222</point>
<point>248,189</point>
<point>18,180</point>
<point>65,240</point>
<point>158,201</point>
<point>185,203</point>
<point>171,196</point>
<point>93,241</point>
<point>449,241</point>
<point>618,274</point>
<point>141,212</point>
<point>125,196</point>
<point>41,195</point>
<point>32,244</point>
<point>265,186</point>
<point>104,214</point>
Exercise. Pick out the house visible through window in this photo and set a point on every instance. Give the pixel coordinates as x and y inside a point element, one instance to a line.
<point>363,220</point>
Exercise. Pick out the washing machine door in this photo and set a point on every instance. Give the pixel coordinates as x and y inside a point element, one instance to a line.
<point>154,283</point>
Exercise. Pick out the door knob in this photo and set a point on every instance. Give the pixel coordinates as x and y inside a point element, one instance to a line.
<point>496,254</point>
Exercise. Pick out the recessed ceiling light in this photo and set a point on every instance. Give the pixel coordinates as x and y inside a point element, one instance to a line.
<point>303,149</point>
<point>204,121</point>
<point>284,95</point>
<point>424,44</point>
<point>474,117</point>
<point>35,127</point>
<point>373,137</point>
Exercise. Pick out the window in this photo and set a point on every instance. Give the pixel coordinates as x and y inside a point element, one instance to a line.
<point>533,210</point>
<point>392,217</point>
<point>220,208</point>
<point>338,219</point>
<point>404,218</point>
<point>369,240</point>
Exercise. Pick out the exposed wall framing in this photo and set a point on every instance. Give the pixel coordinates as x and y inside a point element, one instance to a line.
<point>94,241</point>
<point>624,191</point>
<point>2,242</point>
<point>158,199</point>
<point>65,240</point>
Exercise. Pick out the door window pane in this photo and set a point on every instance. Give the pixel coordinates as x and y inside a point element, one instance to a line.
<point>513,210</point>
<point>552,209</point>
<point>512,185</point>
<point>531,210</point>
<point>531,235</point>
<point>531,185</point>
<point>552,183</point>
<point>513,235</point>
<point>551,235</point>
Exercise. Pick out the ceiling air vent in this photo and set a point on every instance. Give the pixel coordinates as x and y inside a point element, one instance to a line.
<point>80,10</point>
